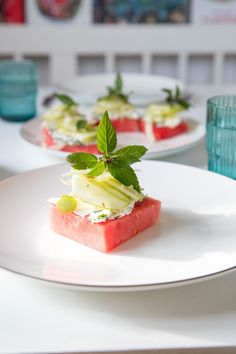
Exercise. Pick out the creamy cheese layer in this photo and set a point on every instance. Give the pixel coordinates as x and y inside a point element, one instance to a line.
<point>97,215</point>
<point>78,138</point>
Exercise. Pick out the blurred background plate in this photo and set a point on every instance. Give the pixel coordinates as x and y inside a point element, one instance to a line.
<point>31,133</point>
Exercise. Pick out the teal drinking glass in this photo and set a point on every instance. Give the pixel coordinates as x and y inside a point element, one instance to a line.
<point>221,135</point>
<point>18,90</point>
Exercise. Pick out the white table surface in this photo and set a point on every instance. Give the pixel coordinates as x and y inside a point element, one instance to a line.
<point>40,318</point>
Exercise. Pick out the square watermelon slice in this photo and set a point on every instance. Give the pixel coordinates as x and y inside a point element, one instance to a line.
<point>107,235</point>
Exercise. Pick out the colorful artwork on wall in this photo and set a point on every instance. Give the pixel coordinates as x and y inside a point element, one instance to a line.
<point>141,11</point>
<point>58,9</point>
<point>58,12</point>
<point>12,11</point>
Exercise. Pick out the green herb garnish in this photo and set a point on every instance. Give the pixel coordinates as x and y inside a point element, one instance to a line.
<point>82,160</point>
<point>81,124</point>
<point>116,90</point>
<point>116,162</point>
<point>67,100</point>
<point>175,97</point>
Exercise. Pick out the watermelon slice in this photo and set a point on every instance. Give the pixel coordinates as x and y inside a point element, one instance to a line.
<point>126,125</point>
<point>47,137</point>
<point>48,142</point>
<point>91,149</point>
<point>165,132</point>
<point>106,235</point>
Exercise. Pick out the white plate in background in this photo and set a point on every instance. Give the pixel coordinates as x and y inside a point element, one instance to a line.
<point>194,240</point>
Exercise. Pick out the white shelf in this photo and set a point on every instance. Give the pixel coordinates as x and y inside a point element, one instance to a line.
<point>113,43</point>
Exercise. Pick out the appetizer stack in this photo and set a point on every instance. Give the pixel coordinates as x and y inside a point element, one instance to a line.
<point>65,128</point>
<point>164,120</point>
<point>106,206</point>
<point>122,113</point>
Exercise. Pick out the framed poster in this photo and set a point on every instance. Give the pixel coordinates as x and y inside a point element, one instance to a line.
<point>12,11</point>
<point>58,12</point>
<point>141,11</point>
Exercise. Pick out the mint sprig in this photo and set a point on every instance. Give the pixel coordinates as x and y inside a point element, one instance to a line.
<point>175,97</point>
<point>67,100</point>
<point>116,90</point>
<point>116,162</point>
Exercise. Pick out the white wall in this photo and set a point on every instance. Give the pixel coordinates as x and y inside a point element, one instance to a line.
<point>198,55</point>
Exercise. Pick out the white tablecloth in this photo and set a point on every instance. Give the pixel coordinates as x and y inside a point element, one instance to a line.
<point>36,317</point>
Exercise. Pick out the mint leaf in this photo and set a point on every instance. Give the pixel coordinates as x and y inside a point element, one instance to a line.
<point>125,175</point>
<point>176,97</point>
<point>177,92</point>
<point>168,91</point>
<point>184,103</point>
<point>98,169</point>
<point>118,83</point>
<point>48,100</point>
<point>106,136</point>
<point>68,101</point>
<point>129,154</point>
<point>169,97</point>
<point>82,160</point>
<point>81,124</point>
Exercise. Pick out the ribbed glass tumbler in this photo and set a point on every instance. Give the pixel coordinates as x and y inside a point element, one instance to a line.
<point>18,89</point>
<point>221,135</point>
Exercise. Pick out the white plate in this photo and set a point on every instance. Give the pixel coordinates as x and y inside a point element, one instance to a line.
<point>144,88</point>
<point>30,132</point>
<point>195,238</point>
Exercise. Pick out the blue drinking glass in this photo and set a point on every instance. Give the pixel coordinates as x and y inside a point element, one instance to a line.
<point>18,90</point>
<point>221,135</point>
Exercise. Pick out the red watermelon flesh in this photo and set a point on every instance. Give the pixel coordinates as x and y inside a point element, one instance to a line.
<point>47,137</point>
<point>126,125</point>
<point>165,132</point>
<point>92,149</point>
<point>106,235</point>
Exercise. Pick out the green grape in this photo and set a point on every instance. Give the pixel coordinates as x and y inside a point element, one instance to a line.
<point>67,204</point>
